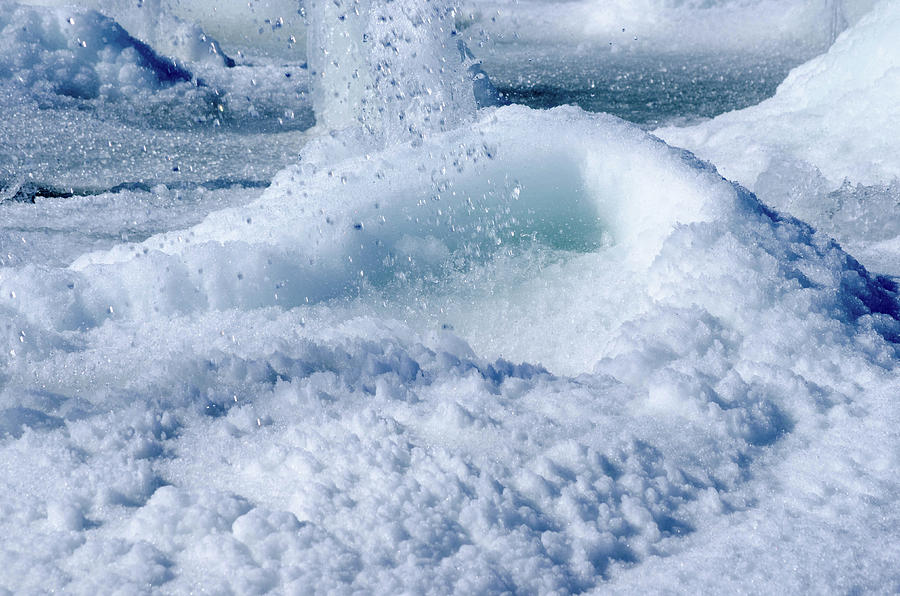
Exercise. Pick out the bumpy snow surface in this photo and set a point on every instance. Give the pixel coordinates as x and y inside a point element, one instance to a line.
<point>450,347</point>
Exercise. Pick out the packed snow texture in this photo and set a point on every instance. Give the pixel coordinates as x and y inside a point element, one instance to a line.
<point>514,350</point>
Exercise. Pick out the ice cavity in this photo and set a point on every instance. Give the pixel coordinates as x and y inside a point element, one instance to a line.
<point>78,53</point>
<point>561,178</point>
<point>394,70</point>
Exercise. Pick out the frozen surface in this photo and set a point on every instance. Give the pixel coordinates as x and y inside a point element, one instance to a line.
<point>473,350</point>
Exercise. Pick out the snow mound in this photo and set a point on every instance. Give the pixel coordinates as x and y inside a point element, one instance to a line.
<point>689,336</point>
<point>79,54</point>
<point>837,114</point>
<point>664,26</point>
<point>154,23</point>
<point>825,148</point>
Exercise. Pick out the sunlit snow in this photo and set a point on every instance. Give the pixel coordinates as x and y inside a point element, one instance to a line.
<point>367,296</point>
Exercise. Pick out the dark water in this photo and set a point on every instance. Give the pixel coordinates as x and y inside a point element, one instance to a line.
<point>647,90</point>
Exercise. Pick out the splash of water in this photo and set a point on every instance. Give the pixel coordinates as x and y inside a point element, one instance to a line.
<point>393,69</point>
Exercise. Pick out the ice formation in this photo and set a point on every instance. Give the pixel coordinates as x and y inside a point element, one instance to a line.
<point>476,351</point>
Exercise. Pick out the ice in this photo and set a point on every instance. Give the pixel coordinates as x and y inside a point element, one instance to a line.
<point>504,350</point>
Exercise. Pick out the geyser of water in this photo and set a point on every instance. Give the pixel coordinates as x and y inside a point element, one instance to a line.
<point>394,70</point>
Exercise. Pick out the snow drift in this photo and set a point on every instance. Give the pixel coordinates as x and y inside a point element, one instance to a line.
<point>836,113</point>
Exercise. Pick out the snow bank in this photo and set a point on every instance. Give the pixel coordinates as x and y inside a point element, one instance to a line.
<point>79,54</point>
<point>837,113</point>
<point>825,147</point>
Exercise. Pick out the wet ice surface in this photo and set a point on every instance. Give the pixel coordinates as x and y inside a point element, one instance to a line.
<point>448,349</point>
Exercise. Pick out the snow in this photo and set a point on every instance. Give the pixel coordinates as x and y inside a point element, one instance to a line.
<point>835,113</point>
<point>500,350</point>
<point>79,54</point>
<point>825,146</point>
